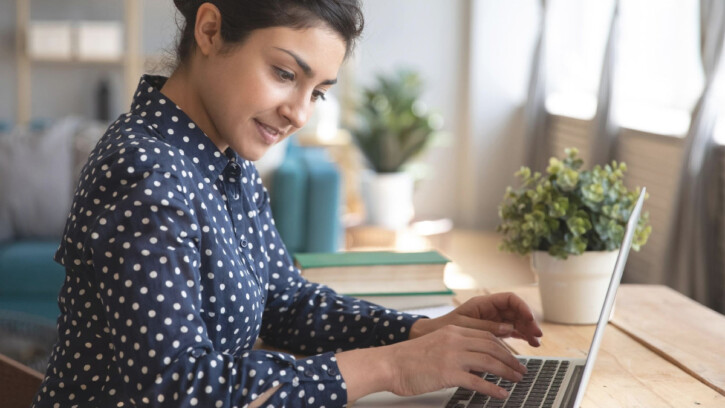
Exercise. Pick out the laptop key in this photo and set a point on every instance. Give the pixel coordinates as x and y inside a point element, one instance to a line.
<point>480,398</point>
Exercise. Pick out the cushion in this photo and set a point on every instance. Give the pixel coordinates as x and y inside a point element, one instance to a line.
<point>35,181</point>
<point>83,143</point>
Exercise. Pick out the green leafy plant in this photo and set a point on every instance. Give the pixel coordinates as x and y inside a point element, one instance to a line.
<point>569,210</point>
<point>394,124</point>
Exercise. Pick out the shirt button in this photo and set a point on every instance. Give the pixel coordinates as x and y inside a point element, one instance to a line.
<point>331,371</point>
<point>309,373</point>
<point>197,353</point>
<point>244,243</point>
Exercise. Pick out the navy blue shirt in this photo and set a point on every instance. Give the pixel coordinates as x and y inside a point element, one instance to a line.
<point>174,269</point>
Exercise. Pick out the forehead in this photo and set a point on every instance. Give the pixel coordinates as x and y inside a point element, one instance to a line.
<point>320,47</point>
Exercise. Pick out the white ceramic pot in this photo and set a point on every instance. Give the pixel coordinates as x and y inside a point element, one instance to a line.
<point>388,199</point>
<point>573,290</point>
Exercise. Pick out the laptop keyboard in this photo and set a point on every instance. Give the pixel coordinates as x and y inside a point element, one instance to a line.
<point>538,388</point>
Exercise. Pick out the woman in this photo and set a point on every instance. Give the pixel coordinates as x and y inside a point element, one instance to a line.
<point>173,264</point>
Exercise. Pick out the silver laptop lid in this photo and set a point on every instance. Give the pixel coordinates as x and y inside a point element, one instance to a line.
<point>611,294</point>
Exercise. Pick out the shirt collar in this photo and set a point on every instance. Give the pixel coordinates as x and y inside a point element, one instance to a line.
<point>175,127</point>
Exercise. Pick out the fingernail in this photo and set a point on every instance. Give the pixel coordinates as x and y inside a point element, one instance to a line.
<point>523,368</point>
<point>503,393</point>
<point>518,376</point>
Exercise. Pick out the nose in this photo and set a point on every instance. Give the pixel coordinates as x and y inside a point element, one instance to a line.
<point>297,110</point>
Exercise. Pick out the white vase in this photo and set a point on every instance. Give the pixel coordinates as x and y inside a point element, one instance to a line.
<point>388,199</point>
<point>573,290</point>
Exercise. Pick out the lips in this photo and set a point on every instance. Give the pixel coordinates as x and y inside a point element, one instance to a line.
<point>269,134</point>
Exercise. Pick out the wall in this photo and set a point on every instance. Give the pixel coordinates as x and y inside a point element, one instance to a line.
<point>476,75</point>
<point>73,83</point>
<point>503,36</point>
<point>476,58</point>
<point>428,36</point>
<point>7,61</point>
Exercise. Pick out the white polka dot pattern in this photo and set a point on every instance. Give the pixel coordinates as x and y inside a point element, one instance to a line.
<point>173,270</point>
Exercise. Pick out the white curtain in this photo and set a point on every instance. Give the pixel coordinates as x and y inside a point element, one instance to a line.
<point>605,127</point>
<point>659,75</point>
<point>578,33</point>
<point>694,266</point>
<point>535,115</point>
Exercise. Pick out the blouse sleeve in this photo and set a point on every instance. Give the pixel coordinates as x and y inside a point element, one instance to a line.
<point>311,318</point>
<point>141,256</point>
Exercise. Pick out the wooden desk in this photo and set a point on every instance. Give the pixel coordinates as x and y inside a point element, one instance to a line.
<point>660,350</point>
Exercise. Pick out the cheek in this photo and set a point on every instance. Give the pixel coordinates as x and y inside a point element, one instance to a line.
<point>262,94</point>
<point>225,102</point>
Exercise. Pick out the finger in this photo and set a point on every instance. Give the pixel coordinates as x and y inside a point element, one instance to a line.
<point>529,333</point>
<point>482,362</point>
<point>482,342</point>
<point>528,327</point>
<point>478,384</point>
<point>497,350</point>
<point>497,328</point>
<point>533,341</point>
<point>511,308</point>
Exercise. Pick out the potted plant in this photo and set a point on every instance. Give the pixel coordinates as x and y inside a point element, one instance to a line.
<point>572,221</point>
<point>393,126</point>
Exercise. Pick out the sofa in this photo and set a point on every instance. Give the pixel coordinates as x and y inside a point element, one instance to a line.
<point>39,167</point>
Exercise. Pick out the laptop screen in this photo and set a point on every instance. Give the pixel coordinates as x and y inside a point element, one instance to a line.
<point>609,299</point>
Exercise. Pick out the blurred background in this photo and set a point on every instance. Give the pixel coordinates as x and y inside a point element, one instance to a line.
<point>487,86</point>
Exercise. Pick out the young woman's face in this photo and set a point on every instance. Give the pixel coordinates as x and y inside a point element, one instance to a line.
<point>265,89</point>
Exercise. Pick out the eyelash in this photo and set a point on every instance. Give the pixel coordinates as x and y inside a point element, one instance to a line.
<point>288,76</point>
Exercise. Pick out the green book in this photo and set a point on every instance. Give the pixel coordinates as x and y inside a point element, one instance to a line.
<point>408,301</point>
<point>338,259</point>
<point>379,272</point>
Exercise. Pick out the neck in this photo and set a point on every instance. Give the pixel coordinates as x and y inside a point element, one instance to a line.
<point>180,89</point>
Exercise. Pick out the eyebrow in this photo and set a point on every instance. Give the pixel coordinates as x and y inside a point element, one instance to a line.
<point>305,67</point>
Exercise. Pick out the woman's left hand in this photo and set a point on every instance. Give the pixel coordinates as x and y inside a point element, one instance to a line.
<point>502,314</point>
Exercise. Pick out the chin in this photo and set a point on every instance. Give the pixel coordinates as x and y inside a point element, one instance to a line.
<point>253,155</point>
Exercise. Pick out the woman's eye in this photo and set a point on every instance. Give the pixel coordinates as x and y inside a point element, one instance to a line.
<point>284,75</point>
<point>318,95</point>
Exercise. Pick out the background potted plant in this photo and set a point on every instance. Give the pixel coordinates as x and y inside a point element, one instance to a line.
<point>393,126</point>
<point>572,221</point>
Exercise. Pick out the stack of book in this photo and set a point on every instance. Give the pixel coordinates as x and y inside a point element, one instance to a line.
<point>397,280</point>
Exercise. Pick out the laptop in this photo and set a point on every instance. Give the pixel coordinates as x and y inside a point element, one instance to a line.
<point>549,383</point>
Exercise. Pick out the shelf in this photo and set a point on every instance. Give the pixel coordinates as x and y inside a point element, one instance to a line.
<point>131,60</point>
<point>77,61</point>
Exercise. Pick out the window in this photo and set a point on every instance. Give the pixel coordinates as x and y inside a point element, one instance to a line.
<point>658,76</point>
<point>577,32</point>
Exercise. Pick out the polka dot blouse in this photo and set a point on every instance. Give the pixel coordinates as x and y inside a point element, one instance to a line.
<point>174,269</point>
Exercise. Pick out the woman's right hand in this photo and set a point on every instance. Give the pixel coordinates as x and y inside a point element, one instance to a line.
<point>441,359</point>
<point>447,357</point>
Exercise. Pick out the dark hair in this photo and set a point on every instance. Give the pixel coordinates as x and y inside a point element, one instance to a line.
<point>241,17</point>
